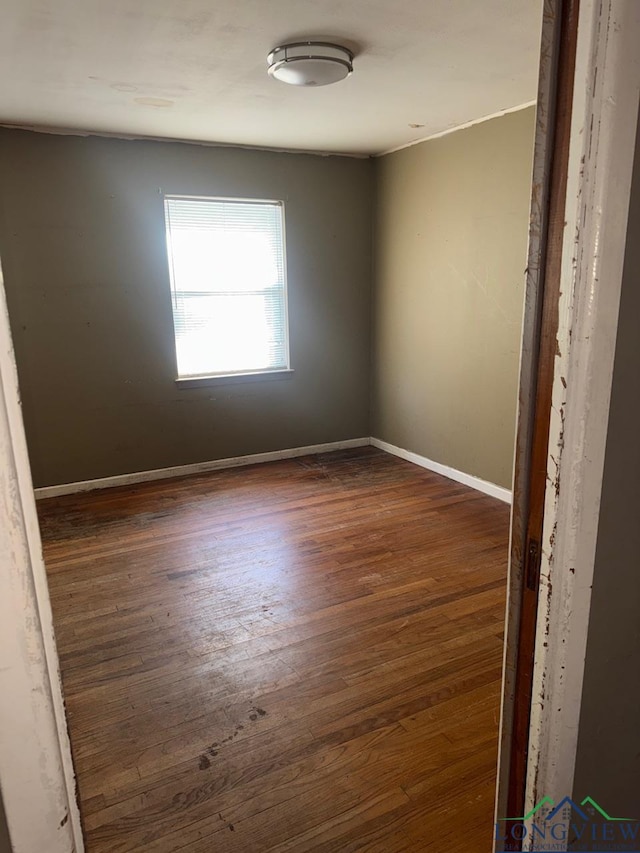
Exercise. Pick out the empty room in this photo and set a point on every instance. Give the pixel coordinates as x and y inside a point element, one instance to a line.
<point>265,276</point>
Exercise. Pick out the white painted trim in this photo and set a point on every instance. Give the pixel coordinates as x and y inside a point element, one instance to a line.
<point>480,485</point>
<point>36,769</point>
<point>457,127</point>
<point>605,111</point>
<point>196,468</point>
<point>271,456</point>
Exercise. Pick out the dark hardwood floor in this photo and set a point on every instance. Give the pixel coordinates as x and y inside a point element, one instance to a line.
<point>297,656</point>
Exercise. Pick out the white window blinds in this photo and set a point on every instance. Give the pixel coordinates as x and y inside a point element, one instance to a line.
<point>228,285</point>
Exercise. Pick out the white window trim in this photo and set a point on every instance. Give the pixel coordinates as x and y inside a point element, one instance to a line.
<point>214,378</point>
<point>227,378</point>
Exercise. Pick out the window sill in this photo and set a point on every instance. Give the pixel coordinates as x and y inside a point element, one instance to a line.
<point>231,378</point>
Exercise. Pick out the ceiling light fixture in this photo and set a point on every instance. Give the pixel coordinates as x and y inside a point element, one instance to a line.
<point>310,63</point>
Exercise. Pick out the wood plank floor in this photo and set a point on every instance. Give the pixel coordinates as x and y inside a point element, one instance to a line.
<point>298,656</point>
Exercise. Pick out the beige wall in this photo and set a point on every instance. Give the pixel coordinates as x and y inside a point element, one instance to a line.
<point>84,257</point>
<point>450,254</point>
<point>608,757</point>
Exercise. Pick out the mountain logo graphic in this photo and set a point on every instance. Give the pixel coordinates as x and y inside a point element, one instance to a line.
<point>588,805</point>
<point>567,802</point>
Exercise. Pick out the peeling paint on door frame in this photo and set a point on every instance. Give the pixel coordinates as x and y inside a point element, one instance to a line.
<point>36,769</point>
<point>529,353</point>
<point>604,119</point>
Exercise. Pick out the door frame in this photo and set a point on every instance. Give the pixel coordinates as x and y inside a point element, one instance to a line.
<point>37,778</point>
<point>601,160</point>
<point>36,769</point>
<point>591,240</point>
<point>540,326</point>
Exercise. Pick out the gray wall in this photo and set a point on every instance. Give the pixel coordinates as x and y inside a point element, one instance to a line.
<point>608,759</point>
<point>450,254</point>
<point>83,252</point>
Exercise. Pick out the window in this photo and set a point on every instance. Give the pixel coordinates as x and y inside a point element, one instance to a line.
<point>228,285</point>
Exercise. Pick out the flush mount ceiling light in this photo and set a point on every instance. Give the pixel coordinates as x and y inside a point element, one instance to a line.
<point>310,63</point>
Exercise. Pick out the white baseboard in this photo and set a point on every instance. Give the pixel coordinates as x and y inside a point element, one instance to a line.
<point>271,456</point>
<point>195,468</point>
<point>452,473</point>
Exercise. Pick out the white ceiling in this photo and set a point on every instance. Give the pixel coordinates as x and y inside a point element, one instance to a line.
<point>196,69</point>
